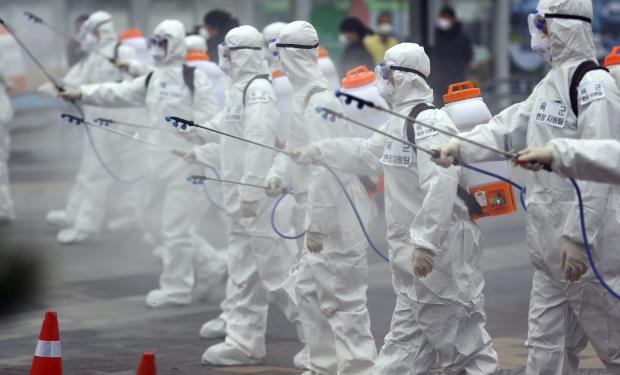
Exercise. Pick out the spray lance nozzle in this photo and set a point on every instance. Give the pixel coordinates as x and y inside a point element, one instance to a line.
<point>103,121</point>
<point>348,99</point>
<point>179,123</point>
<point>71,119</point>
<point>328,114</point>
<point>196,180</point>
<point>34,18</point>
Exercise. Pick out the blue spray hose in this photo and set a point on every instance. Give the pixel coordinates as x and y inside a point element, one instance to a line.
<point>586,244</point>
<point>273,220</point>
<point>103,163</point>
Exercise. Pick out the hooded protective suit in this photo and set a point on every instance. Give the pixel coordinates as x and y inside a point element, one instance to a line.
<point>7,212</point>
<point>592,160</point>
<point>171,200</point>
<point>88,199</point>
<point>331,286</point>
<point>197,57</point>
<point>564,316</point>
<point>258,260</point>
<point>444,310</point>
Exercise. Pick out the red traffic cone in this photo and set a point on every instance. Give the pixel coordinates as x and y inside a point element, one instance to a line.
<point>47,356</point>
<point>147,365</point>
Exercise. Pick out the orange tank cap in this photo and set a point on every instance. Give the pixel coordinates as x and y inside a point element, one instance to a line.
<point>323,52</point>
<point>197,55</point>
<point>130,32</point>
<point>613,58</point>
<point>461,91</point>
<point>277,74</point>
<point>358,77</point>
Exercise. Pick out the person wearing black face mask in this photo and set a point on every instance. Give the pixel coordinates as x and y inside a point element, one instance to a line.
<point>451,54</point>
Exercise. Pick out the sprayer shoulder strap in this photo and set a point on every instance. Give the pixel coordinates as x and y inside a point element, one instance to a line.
<point>313,91</point>
<point>470,201</point>
<point>581,71</point>
<point>415,112</point>
<point>245,89</point>
<point>188,78</point>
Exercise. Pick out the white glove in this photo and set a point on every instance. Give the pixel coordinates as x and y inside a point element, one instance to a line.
<point>574,261</point>
<point>423,262</point>
<point>307,154</point>
<point>248,209</point>
<point>314,242</point>
<point>70,93</point>
<point>274,187</point>
<point>535,158</point>
<point>448,153</point>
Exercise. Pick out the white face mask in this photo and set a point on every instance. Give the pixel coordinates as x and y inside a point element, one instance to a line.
<point>343,39</point>
<point>540,43</point>
<point>89,43</point>
<point>224,58</point>
<point>204,33</point>
<point>158,54</point>
<point>444,24</point>
<point>386,89</point>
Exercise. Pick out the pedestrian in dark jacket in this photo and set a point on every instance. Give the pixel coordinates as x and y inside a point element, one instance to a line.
<point>216,24</point>
<point>352,34</point>
<point>451,55</point>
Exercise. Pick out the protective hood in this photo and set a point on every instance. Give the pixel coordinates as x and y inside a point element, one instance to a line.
<point>102,23</point>
<point>271,32</point>
<point>245,45</point>
<point>571,39</point>
<point>174,33</point>
<point>196,43</point>
<point>300,64</point>
<point>410,87</point>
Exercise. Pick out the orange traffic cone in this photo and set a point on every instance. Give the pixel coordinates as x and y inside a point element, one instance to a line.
<point>47,356</point>
<point>147,365</point>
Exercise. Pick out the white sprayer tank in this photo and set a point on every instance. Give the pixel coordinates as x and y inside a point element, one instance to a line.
<point>467,109</point>
<point>362,83</point>
<point>284,92</point>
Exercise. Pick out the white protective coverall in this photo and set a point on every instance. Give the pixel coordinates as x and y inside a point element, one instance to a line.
<point>331,286</point>
<point>439,320</point>
<point>88,199</point>
<point>197,57</point>
<point>259,261</point>
<point>564,316</point>
<point>170,199</point>
<point>7,212</point>
<point>592,160</point>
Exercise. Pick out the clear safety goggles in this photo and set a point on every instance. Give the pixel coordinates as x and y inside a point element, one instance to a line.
<point>538,20</point>
<point>384,71</point>
<point>158,41</point>
<point>275,45</point>
<point>224,50</point>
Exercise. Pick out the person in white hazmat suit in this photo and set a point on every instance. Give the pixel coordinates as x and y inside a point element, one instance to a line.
<point>333,274</point>
<point>568,307</point>
<point>7,211</point>
<point>88,199</point>
<point>434,245</point>
<point>590,160</point>
<point>197,56</point>
<point>258,260</point>
<point>171,200</point>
